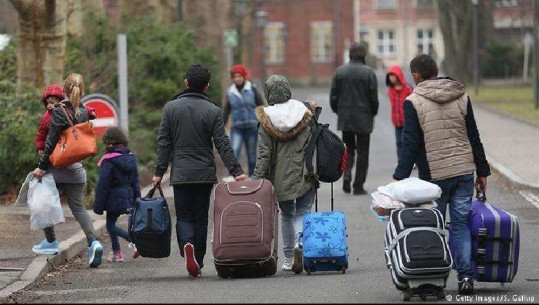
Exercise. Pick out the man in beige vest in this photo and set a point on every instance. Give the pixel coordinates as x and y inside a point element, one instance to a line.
<point>440,135</point>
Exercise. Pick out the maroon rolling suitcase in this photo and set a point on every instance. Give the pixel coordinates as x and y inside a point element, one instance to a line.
<point>245,228</point>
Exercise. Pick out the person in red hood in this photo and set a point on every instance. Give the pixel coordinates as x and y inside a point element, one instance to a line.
<point>52,95</point>
<point>397,91</point>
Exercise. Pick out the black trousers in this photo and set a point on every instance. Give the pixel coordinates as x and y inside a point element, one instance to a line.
<point>192,202</point>
<point>357,143</point>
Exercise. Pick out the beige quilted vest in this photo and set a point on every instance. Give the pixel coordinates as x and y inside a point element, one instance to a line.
<point>441,107</point>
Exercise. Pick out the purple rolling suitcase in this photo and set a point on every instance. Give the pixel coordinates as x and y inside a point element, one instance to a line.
<point>495,242</point>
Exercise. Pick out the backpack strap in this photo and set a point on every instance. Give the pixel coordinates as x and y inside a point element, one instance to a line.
<point>309,152</point>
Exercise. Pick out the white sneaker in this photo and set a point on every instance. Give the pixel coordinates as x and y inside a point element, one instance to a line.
<point>287,265</point>
<point>297,260</point>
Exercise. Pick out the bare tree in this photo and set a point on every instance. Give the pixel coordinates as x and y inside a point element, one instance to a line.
<point>41,41</point>
<point>456,23</point>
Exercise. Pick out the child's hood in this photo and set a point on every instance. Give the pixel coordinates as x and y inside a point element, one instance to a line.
<point>398,72</point>
<point>121,158</point>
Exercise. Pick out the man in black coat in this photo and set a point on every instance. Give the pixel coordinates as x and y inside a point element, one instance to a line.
<point>191,124</point>
<point>354,97</point>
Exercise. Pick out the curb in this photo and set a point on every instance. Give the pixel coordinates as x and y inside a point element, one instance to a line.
<point>509,174</point>
<point>69,248</point>
<point>41,265</point>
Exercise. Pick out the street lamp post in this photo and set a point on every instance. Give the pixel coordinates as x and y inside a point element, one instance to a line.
<point>284,33</point>
<point>261,20</point>
<point>239,7</point>
<point>475,55</point>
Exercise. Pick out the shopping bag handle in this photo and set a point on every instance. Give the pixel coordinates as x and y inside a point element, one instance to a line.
<point>150,193</point>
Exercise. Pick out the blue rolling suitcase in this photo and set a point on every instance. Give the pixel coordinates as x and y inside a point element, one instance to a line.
<point>325,240</point>
<point>495,242</point>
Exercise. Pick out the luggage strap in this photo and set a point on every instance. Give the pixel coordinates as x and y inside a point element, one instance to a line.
<point>402,234</point>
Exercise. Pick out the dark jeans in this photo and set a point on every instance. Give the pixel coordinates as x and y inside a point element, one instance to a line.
<point>357,142</point>
<point>398,136</point>
<point>114,231</point>
<point>192,202</point>
<point>458,193</point>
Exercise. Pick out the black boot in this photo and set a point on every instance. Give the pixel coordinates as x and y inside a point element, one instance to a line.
<point>346,187</point>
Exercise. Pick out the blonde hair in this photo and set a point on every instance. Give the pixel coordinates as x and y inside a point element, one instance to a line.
<point>74,90</point>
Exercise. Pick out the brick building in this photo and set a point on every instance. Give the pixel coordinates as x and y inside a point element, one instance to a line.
<point>396,31</point>
<point>513,19</point>
<point>304,39</point>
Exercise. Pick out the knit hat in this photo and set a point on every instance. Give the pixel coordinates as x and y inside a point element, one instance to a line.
<point>239,69</point>
<point>52,90</point>
<point>277,89</point>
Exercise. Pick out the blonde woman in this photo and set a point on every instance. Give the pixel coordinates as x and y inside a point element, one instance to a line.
<point>71,179</point>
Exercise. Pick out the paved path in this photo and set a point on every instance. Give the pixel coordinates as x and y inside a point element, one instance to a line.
<point>511,147</point>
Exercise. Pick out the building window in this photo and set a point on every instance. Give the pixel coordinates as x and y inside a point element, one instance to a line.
<point>385,4</point>
<point>321,41</point>
<point>386,43</point>
<point>506,3</point>
<point>274,42</point>
<point>425,4</point>
<point>425,42</point>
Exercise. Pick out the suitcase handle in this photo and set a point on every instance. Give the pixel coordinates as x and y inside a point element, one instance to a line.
<point>480,195</point>
<point>316,199</point>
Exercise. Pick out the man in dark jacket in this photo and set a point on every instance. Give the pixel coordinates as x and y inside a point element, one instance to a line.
<point>189,124</point>
<point>354,97</point>
<point>440,135</point>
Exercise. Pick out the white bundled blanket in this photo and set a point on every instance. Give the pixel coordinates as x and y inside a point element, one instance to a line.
<point>412,191</point>
<point>409,192</point>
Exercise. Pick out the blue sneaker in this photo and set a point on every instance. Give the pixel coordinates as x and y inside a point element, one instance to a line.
<point>46,248</point>
<point>95,253</point>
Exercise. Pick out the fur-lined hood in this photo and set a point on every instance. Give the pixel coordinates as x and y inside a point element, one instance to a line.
<point>285,121</point>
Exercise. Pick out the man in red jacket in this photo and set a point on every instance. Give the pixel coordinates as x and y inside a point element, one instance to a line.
<point>397,91</point>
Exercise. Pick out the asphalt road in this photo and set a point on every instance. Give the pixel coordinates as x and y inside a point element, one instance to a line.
<point>367,279</point>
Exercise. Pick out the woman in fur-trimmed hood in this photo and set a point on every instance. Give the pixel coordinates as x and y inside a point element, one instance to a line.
<point>285,130</point>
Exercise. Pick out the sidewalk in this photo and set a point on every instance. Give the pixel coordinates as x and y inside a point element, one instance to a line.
<point>19,266</point>
<point>511,146</point>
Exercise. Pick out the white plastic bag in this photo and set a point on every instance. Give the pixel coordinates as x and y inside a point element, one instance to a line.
<point>22,198</point>
<point>412,190</point>
<point>44,203</point>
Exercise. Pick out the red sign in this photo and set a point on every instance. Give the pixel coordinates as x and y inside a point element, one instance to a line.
<point>106,112</point>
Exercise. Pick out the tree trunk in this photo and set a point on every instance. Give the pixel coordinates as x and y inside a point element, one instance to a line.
<point>41,42</point>
<point>456,24</point>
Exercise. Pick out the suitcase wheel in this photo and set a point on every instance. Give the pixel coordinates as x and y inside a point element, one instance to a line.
<point>440,295</point>
<point>406,296</point>
<point>308,271</point>
<point>423,296</point>
<point>223,271</point>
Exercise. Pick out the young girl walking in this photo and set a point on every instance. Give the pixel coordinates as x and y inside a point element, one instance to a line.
<point>117,188</point>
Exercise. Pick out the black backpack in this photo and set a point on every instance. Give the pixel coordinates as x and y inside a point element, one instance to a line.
<point>332,154</point>
<point>150,225</point>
